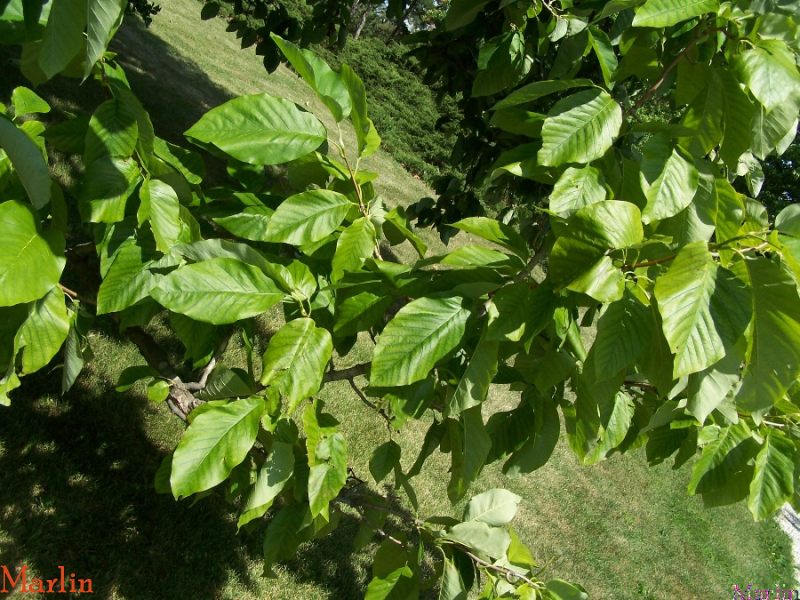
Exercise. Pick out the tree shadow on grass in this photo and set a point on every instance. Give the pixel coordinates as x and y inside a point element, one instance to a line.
<point>76,476</point>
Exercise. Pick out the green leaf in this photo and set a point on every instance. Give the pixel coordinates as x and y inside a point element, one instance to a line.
<point>250,224</point>
<point>669,181</point>
<point>158,390</point>
<point>739,111</point>
<point>43,332</point>
<point>308,217</point>
<point>103,18</point>
<point>721,457</point>
<point>366,136</point>
<point>216,441</point>
<point>355,245</point>
<point>384,459</point>
<point>665,13</point>
<point>575,189</point>
<point>773,355</point>
<point>561,590</point>
<point>704,309</point>
<point>393,585</point>
<point>325,82</point>
<point>773,481</point>
<point>127,280</point>
<point>605,54</point>
<point>580,128</point>
<point>613,430</point>
<point>171,223</point>
<point>282,539</point>
<point>113,132</point>
<point>623,332</point>
<point>63,37</point>
<point>27,102</point>
<point>770,72</point>
<point>422,332</point>
<point>770,128</point>
<point>452,585</point>
<point>131,375</point>
<point>537,450</point>
<point>260,130</point>
<point>218,291</point>
<point>473,387</point>
<point>470,446</point>
<point>328,476</point>
<point>463,12</point>
<point>397,228</point>
<point>539,89</point>
<point>295,360</point>
<point>494,231</point>
<point>481,538</point>
<point>608,224</point>
<point>705,117</point>
<point>187,163</point>
<point>107,185</point>
<point>603,281</point>
<point>494,507</point>
<point>28,163</point>
<point>272,478</point>
<point>226,383</point>
<point>29,268</point>
<point>708,389</point>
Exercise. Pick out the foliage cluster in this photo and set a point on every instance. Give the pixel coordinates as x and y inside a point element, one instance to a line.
<point>693,294</point>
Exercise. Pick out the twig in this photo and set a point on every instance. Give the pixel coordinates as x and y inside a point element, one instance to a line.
<point>200,384</point>
<point>76,296</point>
<point>507,573</point>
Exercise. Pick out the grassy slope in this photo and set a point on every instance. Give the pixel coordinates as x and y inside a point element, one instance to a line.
<point>76,472</point>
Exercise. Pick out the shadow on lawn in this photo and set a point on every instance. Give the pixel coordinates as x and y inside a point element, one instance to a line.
<point>77,476</point>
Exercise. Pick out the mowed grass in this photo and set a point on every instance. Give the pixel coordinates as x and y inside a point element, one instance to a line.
<point>76,472</point>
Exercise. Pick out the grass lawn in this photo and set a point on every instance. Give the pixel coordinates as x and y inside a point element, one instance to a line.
<point>76,472</point>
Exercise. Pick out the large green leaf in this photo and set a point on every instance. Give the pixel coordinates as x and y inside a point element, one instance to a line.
<point>308,217</point>
<point>63,37</point>
<point>575,189</point>
<point>494,231</point>
<point>107,185</point>
<point>538,89</point>
<point>366,136</point>
<point>171,223</point>
<point>580,128</point>
<point>420,334</point>
<point>43,332</point>
<point>704,309</point>
<point>216,441</point>
<point>773,481</point>
<point>113,132</point>
<point>127,280</point>
<point>773,356</point>
<point>607,224</point>
<point>770,72</point>
<point>668,179</point>
<point>326,82</point>
<point>623,332</point>
<point>770,128</point>
<point>103,18</point>
<point>495,507</point>
<point>282,537</point>
<point>738,115</point>
<point>25,102</point>
<point>663,13</point>
<point>295,360</point>
<point>469,447</point>
<point>274,473</point>
<point>250,224</point>
<point>218,291</point>
<point>260,130</point>
<point>28,162</point>
<point>29,267</point>
<point>355,245</point>
<point>721,457</point>
<point>481,538</point>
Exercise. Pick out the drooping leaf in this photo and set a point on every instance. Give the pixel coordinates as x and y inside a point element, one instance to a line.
<point>494,231</point>
<point>704,309</point>
<point>495,507</point>
<point>250,224</point>
<point>29,267</point>
<point>580,128</point>
<point>326,82</point>
<point>295,360</point>
<point>481,538</point>
<point>28,163</point>
<point>171,223</point>
<point>770,72</point>
<point>44,331</point>
<point>473,387</point>
<point>463,12</point>
<point>773,481</point>
<point>308,217</point>
<point>668,179</point>
<point>355,245</point>
<point>538,89</point>
<point>103,18</point>
<point>469,446</point>
<point>218,291</point>
<point>420,334</point>
<point>260,130</point>
<point>63,37</point>
<point>383,460</point>
<point>216,441</point>
<point>622,334</point>
<point>113,132</point>
<point>274,473</point>
<point>575,189</point>
<point>366,136</point>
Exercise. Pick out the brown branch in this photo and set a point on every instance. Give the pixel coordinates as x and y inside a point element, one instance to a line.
<point>507,573</point>
<point>76,296</point>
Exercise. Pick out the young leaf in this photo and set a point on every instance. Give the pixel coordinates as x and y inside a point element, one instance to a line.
<point>218,291</point>
<point>421,333</point>
<point>366,136</point>
<point>27,102</point>
<point>328,476</point>
<point>492,230</point>
<point>215,442</point>
<point>260,130</point>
